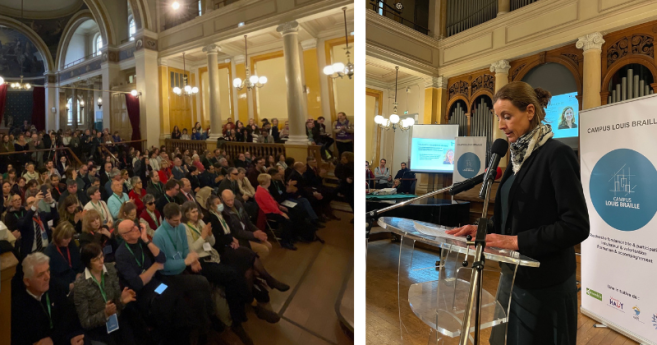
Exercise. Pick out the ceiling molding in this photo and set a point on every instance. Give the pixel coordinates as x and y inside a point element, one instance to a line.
<point>50,9</point>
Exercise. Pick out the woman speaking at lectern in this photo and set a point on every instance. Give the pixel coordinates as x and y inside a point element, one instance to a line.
<point>540,212</point>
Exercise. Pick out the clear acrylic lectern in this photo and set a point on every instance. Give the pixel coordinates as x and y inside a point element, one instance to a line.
<point>436,292</point>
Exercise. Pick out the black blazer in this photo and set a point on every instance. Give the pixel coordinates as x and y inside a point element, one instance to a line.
<point>547,212</point>
<point>26,227</point>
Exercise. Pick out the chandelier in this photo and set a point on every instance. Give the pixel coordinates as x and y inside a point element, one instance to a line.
<point>187,89</point>
<point>251,81</point>
<point>394,121</point>
<point>338,69</point>
<point>20,85</point>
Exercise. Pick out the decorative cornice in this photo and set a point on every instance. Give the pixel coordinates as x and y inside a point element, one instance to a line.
<point>590,41</point>
<point>162,62</point>
<point>288,28</point>
<point>212,49</point>
<point>309,44</point>
<point>437,82</point>
<point>146,42</point>
<point>501,66</point>
<point>110,55</point>
<point>239,59</point>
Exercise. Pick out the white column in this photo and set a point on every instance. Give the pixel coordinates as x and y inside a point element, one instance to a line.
<point>149,102</point>
<point>213,84</point>
<point>592,46</point>
<point>52,95</point>
<point>111,75</point>
<point>98,94</point>
<point>296,113</point>
<point>233,73</point>
<point>501,69</point>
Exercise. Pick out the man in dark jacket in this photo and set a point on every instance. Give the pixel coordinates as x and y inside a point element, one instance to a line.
<point>241,226</point>
<point>230,182</point>
<point>209,179</point>
<point>155,187</point>
<point>35,232</point>
<point>72,189</point>
<point>403,174</point>
<point>41,313</point>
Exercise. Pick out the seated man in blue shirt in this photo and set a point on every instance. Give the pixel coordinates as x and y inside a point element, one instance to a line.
<point>171,239</point>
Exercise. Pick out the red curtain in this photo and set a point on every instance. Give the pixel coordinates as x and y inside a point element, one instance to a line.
<point>132,105</point>
<point>39,108</point>
<point>3,99</point>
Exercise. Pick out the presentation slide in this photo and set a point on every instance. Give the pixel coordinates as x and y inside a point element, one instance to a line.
<point>432,155</point>
<point>432,148</point>
<point>563,115</point>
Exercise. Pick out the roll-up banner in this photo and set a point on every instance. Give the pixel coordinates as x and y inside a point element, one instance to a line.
<point>618,152</point>
<point>469,158</point>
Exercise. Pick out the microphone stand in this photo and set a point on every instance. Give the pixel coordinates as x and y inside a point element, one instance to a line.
<point>476,278</point>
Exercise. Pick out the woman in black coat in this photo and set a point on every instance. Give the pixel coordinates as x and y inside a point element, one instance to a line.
<point>540,212</point>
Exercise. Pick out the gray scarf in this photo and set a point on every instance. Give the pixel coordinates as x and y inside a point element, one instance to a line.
<point>528,143</point>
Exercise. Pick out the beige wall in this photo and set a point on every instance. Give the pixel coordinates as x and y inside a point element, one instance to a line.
<point>370,135</point>
<point>343,88</point>
<point>272,98</point>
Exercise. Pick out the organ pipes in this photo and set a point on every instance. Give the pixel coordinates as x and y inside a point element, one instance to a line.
<point>482,123</point>
<point>631,86</point>
<point>458,117</point>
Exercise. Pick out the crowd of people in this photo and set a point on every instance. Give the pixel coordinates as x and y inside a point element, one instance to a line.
<point>134,247</point>
<point>270,132</point>
<point>381,177</point>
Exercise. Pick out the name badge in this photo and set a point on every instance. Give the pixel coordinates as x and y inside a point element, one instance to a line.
<point>177,256</point>
<point>44,235</point>
<point>107,250</point>
<point>112,324</point>
<point>207,247</point>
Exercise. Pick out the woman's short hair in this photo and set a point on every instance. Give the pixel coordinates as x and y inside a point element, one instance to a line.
<point>148,198</point>
<point>209,203</point>
<point>289,161</point>
<point>186,207</point>
<point>263,179</point>
<point>521,95</point>
<point>134,180</point>
<point>63,231</point>
<point>89,217</point>
<point>91,191</point>
<point>241,171</point>
<point>89,252</point>
<point>32,260</point>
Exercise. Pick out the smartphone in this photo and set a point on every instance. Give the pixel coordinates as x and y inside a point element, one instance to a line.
<point>44,190</point>
<point>160,289</point>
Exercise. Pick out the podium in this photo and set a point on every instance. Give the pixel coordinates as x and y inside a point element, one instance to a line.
<point>436,292</point>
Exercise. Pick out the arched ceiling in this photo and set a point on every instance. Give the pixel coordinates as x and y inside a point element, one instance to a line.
<point>40,9</point>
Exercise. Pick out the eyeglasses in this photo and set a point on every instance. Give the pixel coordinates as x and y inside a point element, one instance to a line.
<point>150,203</point>
<point>235,174</point>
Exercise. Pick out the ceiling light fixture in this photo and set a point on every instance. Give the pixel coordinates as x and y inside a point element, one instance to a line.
<point>394,120</point>
<point>187,90</point>
<point>338,69</point>
<point>251,81</point>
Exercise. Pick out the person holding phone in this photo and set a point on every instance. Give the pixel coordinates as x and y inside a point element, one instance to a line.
<point>138,262</point>
<point>100,301</point>
<point>34,228</point>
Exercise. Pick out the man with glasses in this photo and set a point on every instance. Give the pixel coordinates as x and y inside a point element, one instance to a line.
<point>230,183</point>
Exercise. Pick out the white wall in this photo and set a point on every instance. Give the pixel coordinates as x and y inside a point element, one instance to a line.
<point>76,48</point>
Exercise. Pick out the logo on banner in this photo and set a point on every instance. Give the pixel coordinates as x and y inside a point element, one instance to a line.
<point>594,294</point>
<point>616,304</point>
<point>637,312</point>
<point>623,189</point>
<point>654,320</point>
<point>468,165</point>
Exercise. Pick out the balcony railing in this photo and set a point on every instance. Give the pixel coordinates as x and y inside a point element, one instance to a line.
<point>465,14</point>
<point>385,10</point>
<point>81,60</point>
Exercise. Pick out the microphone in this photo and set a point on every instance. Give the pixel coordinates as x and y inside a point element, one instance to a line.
<point>471,182</point>
<point>498,150</point>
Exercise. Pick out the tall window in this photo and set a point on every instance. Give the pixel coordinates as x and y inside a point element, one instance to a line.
<point>200,8</point>
<point>99,44</point>
<point>69,104</point>
<point>132,29</point>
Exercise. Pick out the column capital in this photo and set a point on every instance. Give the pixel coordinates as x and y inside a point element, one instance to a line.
<point>288,28</point>
<point>501,66</point>
<point>239,59</point>
<point>309,44</point>
<point>162,62</point>
<point>437,82</point>
<point>212,49</point>
<point>590,41</point>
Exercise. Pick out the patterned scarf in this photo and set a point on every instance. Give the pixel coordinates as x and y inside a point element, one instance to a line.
<point>528,143</point>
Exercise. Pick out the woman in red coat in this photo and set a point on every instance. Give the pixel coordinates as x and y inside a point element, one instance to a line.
<point>273,211</point>
<point>137,193</point>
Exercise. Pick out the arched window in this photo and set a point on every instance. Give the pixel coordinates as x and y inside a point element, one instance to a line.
<point>99,44</point>
<point>132,29</point>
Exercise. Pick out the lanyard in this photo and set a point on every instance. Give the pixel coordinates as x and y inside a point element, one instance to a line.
<point>38,221</point>
<point>17,217</point>
<point>102,209</point>
<point>101,285</point>
<point>157,225</point>
<point>170,238</point>
<point>48,313</point>
<point>223,224</point>
<point>70,263</point>
<point>167,197</point>
<point>117,198</point>
<point>141,265</point>
<point>193,228</point>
